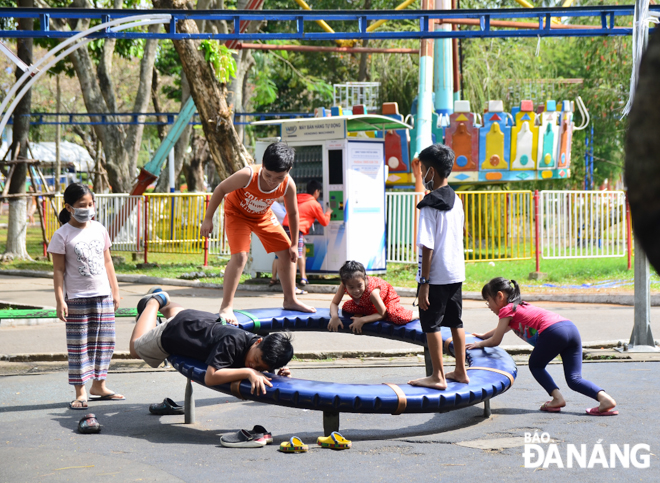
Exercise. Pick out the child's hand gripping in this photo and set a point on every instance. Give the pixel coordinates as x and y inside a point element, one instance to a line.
<point>358,322</point>
<point>333,325</point>
<point>259,382</point>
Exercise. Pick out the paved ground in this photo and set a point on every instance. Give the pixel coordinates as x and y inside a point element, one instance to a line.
<point>597,322</point>
<point>39,441</point>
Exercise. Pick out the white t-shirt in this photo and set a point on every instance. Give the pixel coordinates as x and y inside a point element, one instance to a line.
<point>83,250</point>
<point>442,231</point>
<point>279,211</point>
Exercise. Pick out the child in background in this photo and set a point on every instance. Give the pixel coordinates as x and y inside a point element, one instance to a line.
<point>309,210</point>
<point>372,299</point>
<point>87,294</point>
<point>551,335</point>
<point>250,192</point>
<point>441,267</point>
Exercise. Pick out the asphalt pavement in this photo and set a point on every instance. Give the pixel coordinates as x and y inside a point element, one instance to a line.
<point>39,442</point>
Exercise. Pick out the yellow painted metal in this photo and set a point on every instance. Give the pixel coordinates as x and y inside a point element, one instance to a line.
<point>174,221</point>
<point>324,25</point>
<point>499,225</point>
<point>378,23</point>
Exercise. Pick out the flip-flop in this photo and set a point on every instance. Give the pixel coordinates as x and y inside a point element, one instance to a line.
<point>549,409</point>
<point>272,283</point>
<point>82,406</point>
<point>107,397</point>
<point>89,425</point>
<point>334,441</point>
<point>304,281</point>
<point>294,445</point>
<point>597,412</point>
<point>300,291</point>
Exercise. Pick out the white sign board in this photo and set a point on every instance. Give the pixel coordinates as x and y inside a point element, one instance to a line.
<point>316,129</point>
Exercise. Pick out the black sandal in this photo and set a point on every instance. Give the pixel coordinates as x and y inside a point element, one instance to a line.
<point>167,407</point>
<point>89,425</point>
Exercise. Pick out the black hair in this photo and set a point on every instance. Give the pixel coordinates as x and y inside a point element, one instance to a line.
<point>276,350</point>
<point>279,157</point>
<point>352,269</point>
<point>439,157</point>
<point>508,287</point>
<point>72,194</point>
<point>313,185</point>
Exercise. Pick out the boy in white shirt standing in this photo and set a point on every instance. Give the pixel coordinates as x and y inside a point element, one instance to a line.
<point>441,266</point>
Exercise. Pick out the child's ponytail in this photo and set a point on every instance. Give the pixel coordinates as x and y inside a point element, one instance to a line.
<point>508,287</point>
<point>64,216</point>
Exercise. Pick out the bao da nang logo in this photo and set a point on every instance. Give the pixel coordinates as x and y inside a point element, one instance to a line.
<point>541,452</point>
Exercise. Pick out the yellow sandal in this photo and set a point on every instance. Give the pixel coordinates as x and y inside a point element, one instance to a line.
<point>294,445</point>
<point>334,441</point>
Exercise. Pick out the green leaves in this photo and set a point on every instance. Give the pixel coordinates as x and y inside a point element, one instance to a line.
<point>221,59</point>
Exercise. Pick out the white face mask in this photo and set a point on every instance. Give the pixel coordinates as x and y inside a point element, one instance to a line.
<point>428,184</point>
<point>83,215</point>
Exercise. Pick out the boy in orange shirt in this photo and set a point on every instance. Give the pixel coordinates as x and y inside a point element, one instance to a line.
<point>249,194</point>
<point>309,210</point>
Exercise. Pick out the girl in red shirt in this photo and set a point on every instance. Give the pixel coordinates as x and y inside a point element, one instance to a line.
<point>372,299</point>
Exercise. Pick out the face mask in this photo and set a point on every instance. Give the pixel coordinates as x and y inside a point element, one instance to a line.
<point>83,215</point>
<point>428,184</point>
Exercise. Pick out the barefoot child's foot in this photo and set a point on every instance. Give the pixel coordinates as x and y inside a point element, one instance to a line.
<point>430,382</point>
<point>461,377</point>
<point>228,316</point>
<point>299,306</point>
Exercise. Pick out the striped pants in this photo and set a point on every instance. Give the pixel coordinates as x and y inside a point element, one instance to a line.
<point>90,338</point>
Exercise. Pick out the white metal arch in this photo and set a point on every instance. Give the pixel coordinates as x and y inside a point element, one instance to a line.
<point>35,73</point>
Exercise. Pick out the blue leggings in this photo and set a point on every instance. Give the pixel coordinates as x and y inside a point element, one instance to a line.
<point>562,339</point>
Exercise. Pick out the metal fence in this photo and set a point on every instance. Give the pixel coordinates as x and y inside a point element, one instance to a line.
<point>583,224</point>
<point>156,223</point>
<point>498,225</point>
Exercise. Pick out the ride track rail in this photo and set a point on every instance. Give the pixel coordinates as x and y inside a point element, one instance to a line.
<point>427,19</point>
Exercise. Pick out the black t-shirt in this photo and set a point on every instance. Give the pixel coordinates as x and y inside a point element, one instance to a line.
<point>198,334</point>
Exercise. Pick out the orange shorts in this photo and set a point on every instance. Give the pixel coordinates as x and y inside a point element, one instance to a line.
<point>239,230</point>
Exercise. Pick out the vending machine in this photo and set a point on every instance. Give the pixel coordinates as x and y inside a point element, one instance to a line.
<point>352,171</point>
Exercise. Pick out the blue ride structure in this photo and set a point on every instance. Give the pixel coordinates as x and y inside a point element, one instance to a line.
<point>492,371</point>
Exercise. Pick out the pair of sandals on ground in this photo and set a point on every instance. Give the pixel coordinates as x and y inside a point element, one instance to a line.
<point>258,437</point>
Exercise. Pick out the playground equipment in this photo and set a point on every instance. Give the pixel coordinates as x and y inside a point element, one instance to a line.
<point>352,172</point>
<point>492,372</point>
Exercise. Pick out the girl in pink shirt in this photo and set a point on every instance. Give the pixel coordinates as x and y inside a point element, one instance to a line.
<point>551,335</point>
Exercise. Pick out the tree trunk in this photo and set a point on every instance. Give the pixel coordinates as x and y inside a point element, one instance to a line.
<point>642,173</point>
<point>229,154</point>
<point>17,223</point>
<point>155,87</point>
<point>197,161</point>
<point>120,146</point>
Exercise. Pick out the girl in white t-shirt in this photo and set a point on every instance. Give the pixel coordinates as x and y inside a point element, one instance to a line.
<point>87,294</point>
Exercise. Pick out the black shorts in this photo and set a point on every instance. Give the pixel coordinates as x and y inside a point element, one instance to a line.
<point>445,308</point>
